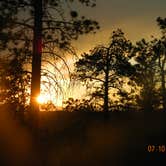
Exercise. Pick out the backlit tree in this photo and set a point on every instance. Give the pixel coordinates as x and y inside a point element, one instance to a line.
<point>32,27</point>
<point>103,68</point>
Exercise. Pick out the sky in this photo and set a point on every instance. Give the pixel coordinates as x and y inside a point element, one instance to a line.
<point>137,19</point>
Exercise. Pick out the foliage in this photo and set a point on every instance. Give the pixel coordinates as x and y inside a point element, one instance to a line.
<point>150,61</point>
<point>103,69</point>
<point>146,74</point>
<point>15,83</point>
<point>60,25</point>
<point>49,106</point>
<point>80,105</point>
<point>160,51</point>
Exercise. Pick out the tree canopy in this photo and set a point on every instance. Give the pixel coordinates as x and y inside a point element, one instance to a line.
<point>125,75</point>
<point>105,66</point>
<point>34,31</point>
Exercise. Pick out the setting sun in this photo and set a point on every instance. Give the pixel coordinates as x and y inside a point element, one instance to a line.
<point>47,98</point>
<point>41,99</point>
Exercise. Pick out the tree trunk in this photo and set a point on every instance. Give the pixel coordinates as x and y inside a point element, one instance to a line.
<point>163,82</point>
<point>163,89</point>
<point>106,94</point>
<point>36,57</point>
<point>106,85</point>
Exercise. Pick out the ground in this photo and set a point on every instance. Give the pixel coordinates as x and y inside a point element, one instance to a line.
<point>83,139</point>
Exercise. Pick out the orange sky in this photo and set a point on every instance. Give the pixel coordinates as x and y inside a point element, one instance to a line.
<point>136,18</point>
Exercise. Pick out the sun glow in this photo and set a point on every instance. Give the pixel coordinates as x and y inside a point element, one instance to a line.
<point>55,84</point>
<point>42,99</point>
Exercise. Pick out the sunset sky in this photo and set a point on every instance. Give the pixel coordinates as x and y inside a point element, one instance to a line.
<point>136,18</point>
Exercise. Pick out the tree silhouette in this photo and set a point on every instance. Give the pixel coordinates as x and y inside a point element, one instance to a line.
<point>37,53</point>
<point>104,67</point>
<point>160,51</point>
<point>80,105</point>
<point>44,24</point>
<point>146,75</point>
<point>15,82</point>
<point>150,64</point>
